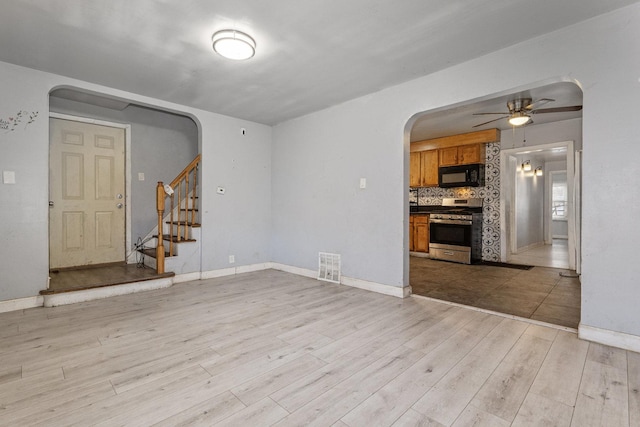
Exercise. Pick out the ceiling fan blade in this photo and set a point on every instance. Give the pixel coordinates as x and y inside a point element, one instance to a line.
<point>558,109</point>
<point>483,114</point>
<point>490,121</point>
<point>538,103</point>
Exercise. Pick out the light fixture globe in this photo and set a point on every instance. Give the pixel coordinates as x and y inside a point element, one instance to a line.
<point>233,44</point>
<point>518,119</point>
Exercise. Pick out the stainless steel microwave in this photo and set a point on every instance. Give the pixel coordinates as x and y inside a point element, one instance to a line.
<point>461,176</point>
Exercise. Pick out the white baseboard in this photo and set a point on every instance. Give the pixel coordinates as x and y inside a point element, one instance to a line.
<point>295,270</point>
<point>253,267</point>
<point>348,281</point>
<point>609,337</point>
<point>377,287</point>
<point>212,274</point>
<point>65,298</point>
<point>21,303</point>
<point>186,277</point>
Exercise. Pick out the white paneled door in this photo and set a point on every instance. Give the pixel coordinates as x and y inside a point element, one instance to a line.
<point>86,190</point>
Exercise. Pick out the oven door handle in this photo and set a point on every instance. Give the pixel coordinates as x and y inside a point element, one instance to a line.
<point>450,221</point>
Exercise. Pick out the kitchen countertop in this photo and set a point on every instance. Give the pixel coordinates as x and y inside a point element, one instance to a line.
<point>413,210</point>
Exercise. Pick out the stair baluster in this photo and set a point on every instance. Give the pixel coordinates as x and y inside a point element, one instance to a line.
<point>181,226</point>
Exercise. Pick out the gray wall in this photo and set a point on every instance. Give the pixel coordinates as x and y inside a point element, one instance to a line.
<point>239,221</point>
<point>318,159</point>
<point>162,144</point>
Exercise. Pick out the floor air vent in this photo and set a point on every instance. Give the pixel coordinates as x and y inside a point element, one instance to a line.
<point>329,267</point>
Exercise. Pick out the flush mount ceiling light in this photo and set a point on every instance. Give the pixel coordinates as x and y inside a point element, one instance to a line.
<point>519,118</point>
<point>526,166</point>
<point>233,44</point>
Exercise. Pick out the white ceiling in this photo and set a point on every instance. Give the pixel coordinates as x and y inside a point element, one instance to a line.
<point>311,54</point>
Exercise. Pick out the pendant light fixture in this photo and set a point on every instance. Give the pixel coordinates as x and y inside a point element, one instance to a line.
<point>233,44</point>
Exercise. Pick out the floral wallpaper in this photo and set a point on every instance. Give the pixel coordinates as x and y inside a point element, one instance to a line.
<point>491,205</point>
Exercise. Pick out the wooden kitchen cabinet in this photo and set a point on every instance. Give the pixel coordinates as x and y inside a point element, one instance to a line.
<point>469,154</point>
<point>423,168</point>
<point>411,232</point>
<point>448,156</point>
<point>462,155</point>
<point>419,233</point>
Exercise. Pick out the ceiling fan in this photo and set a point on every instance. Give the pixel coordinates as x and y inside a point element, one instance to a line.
<point>521,109</point>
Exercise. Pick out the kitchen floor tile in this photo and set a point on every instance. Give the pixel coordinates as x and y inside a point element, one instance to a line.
<point>539,293</point>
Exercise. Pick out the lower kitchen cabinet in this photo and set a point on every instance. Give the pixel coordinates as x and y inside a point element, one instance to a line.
<point>419,233</point>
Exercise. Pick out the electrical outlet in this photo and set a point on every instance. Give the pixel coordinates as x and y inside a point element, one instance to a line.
<point>9,177</point>
<point>232,259</point>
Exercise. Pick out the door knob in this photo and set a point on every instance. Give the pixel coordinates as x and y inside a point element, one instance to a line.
<point>50,203</point>
<point>119,205</point>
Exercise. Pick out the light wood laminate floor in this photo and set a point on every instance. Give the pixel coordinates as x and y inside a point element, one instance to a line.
<point>271,348</point>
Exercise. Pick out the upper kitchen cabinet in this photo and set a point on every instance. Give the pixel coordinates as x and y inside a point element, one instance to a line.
<point>423,169</point>
<point>464,149</point>
<point>462,155</point>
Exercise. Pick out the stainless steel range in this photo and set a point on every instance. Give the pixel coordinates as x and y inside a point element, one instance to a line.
<point>455,234</point>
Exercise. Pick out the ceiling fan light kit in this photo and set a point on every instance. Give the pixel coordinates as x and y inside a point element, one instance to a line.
<point>520,111</point>
<point>519,119</point>
<point>233,44</point>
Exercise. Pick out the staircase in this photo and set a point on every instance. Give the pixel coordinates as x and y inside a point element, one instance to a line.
<point>178,250</point>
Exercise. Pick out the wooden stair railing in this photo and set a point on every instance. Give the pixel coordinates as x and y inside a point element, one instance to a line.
<point>183,189</point>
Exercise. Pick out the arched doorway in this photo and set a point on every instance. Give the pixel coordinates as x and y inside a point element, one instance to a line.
<point>500,287</point>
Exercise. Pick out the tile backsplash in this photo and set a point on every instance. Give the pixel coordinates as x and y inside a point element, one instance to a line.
<point>491,205</point>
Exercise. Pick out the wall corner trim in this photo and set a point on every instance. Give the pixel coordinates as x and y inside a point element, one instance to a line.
<point>21,303</point>
<point>609,337</point>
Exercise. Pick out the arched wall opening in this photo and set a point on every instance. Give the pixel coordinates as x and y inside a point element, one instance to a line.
<point>562,122</point>
<point>159,144</point>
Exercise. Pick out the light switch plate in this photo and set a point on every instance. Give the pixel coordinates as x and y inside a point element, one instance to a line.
<point>363,182</point>
<point>140,176</point>
<point>9,177</point>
